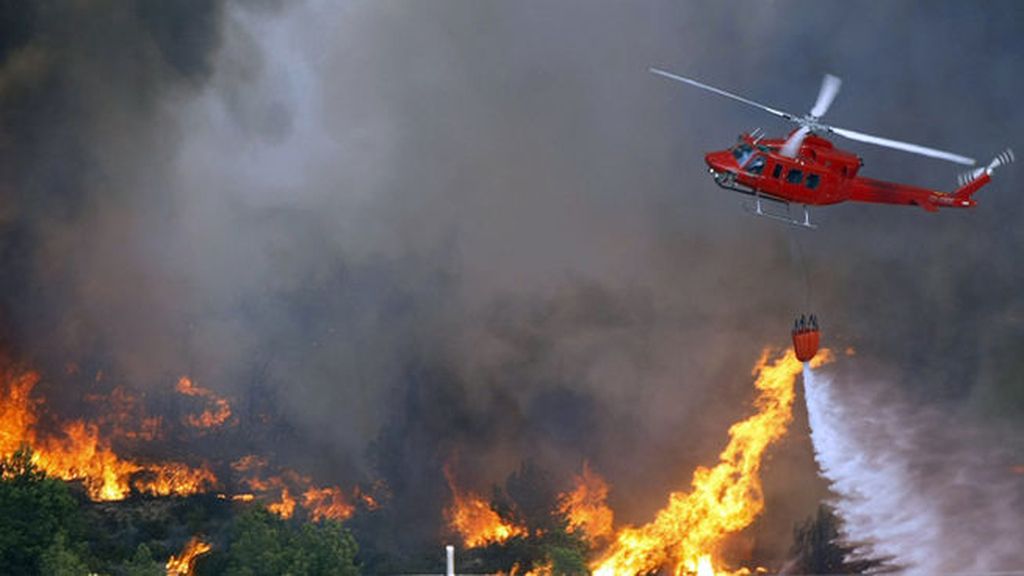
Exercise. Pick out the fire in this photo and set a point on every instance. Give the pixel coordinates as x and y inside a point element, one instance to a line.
<point>321,503</point>
<point>585,508</point>
<point>474,519</point>
<point>213,417</point>
<point>184,563</point>
<point>173,478</point>
<point>285,507</point>
<point>369,500</point>
<point>78,451</point>
<point>326,503</point>
<point>723,499</point>
<point>80,454</point>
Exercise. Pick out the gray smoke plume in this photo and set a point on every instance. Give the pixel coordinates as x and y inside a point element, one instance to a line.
<point>918,487</point>
<point>483,227</point>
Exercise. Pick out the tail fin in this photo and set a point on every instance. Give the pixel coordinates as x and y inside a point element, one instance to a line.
<point>970,182</point>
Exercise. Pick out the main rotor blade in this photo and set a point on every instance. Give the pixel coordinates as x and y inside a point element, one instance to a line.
<point>829,88</point>
<point>792,145</point>
<point>677,78</point>
<point>905,146</point>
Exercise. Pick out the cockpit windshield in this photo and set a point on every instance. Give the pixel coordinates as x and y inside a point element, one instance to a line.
<point>742,153</point>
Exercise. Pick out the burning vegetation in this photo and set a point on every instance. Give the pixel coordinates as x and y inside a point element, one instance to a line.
<point>77,450</point>
<point>141,499</point>
<point>215,414</point>
<point>585,507</point>
<point>577,533</point>
<point>284,490</point>
<point>472,517</point>
<point>184,564</point>
<point>686,535</point>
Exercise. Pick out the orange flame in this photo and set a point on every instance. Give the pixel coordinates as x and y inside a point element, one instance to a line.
<point>285,507</point>
<point>321,503</point>
<point>326,504</point>
<point>184,563</point>
<point>209,418</point>
<point>78,452</point>
<point>723,499</point>
<point>474,519</point>
<point>585,508</point>
<point>174,478</point>
<point>17,410</point>
<point>369,500</point>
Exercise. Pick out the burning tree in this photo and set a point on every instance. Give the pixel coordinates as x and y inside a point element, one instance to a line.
<point>522,529</point>
<point>527,528</point>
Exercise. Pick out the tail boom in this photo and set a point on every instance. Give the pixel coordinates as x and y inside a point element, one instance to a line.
<point>971,182</point>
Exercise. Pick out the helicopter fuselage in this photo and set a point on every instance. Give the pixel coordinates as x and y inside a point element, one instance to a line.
<point>819,174</point>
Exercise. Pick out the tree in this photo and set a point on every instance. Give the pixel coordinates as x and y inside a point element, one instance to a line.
<point>818,549</point>
<point>533,497</point>
<point>568,561</point>
<point>529,499</point>
<point>142,564</point>
<point>328,549</point>
<point>263,544</point>
<point>59,560</point>
<point>35,512</point>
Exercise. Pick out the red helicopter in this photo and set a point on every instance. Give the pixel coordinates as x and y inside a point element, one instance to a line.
<point>805,168</point>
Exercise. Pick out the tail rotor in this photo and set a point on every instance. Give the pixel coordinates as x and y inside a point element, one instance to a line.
<point>1002,159</point>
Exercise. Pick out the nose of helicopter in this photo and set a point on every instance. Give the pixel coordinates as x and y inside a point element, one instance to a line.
<point>720,162</point>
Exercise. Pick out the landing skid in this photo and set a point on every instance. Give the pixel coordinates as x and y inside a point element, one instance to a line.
<point>758,210</point>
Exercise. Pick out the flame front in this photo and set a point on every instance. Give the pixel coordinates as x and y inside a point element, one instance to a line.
<point>722,499</point>
<point>474,519</point>
<point>585,507</point>
<point>79,452</point>
<point>278,491</point>
<point>184,563</point>
<point>326,503</point>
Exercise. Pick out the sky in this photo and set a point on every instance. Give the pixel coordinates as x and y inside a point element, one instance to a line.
<point>483,227</point>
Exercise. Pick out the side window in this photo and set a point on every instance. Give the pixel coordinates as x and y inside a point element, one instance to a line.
<point>794,176</point>
<point>777,171</point>
<point>756,165</point>
<point>812,181</point>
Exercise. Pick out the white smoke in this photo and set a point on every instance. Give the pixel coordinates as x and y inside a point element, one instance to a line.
<point>914,485</point>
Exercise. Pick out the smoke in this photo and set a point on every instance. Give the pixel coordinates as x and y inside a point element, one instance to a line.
<point>416,228</point>
<point>918,487</point>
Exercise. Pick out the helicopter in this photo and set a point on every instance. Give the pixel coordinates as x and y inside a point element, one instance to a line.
<point>806,168</point>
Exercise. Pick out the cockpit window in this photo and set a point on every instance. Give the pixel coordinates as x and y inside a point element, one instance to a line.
<point>742,153</point>
<point>756,165</point>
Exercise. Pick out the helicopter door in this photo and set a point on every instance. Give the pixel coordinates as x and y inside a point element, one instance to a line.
<point>773,185</point>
